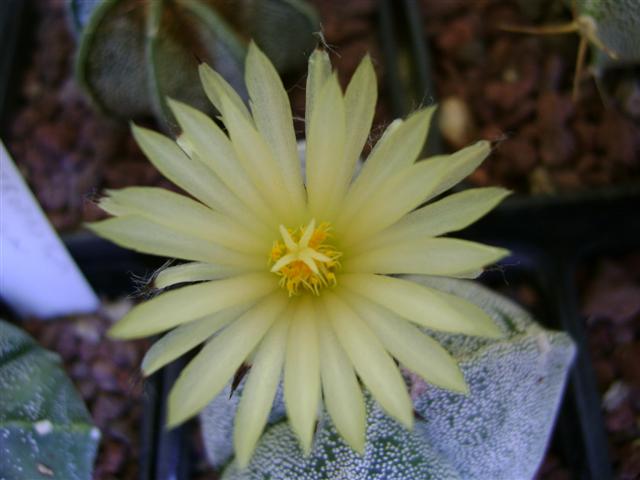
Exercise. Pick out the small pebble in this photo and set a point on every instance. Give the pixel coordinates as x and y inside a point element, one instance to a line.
<point>455,121</point>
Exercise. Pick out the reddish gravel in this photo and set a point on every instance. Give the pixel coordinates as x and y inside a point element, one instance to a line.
<point>611,306</point>
<point>517,89</point>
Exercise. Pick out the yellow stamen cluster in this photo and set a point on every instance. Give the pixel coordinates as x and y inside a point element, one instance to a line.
<point>304,259</point>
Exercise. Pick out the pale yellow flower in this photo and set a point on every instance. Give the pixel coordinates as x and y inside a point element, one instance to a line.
<point>290,274</point>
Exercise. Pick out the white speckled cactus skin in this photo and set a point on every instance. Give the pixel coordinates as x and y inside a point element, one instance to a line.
<point>216,421</point>
<point>45,429</point>
<point>618,27</point>
<point>500,431</point>
<point>391,452</point>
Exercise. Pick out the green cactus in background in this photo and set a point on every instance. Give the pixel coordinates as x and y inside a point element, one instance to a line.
<point>45,429</point>
<point>617,24</point>
<point>615,67</point>
<point>499,431</point>
<point>133,54</point>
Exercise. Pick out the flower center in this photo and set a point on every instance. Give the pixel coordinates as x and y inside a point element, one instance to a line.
<point>304,259</point>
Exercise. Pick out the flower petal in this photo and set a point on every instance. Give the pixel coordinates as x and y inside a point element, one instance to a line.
<point>459,165</point>
<point>257,160</point>
<point>192,302</point>
<point>407,189</point>
<point>342,394</point>
<point>183,214</point>
<point>396,150</point>
<point>272,114</point>
<point>208,373</point>
<point>216,87</point>
<point>422,305</point>
<point>191,175</point>
<point>325,147</point>
<point>144,235</point>
<point>429,256</point>
<point>259,391</point>
<point>360,104</point>
<point>373,364</point>
<point>214,148</point>
<point>302,372</point>
<point>469,274</point>
<point>192,272</point>
<point>415,350</point>
<point>318,73</point>
<point>450,214</point>
<point>185,337</point>
<point>398,195</point>
<point>360,101</point>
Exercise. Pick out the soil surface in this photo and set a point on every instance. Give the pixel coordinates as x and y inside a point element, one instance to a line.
<point>515,89</point>
<point>611,307</point>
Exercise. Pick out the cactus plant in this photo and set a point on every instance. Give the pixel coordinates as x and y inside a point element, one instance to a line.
<point>617,28</point>
<point>45,429</point>
<point>391,453</point>
<point>134,54</point>
<point>499,431</point>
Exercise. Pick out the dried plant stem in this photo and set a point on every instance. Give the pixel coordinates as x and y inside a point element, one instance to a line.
<point>582,55</point>
<point>570,27</point>
<point>584,26</point>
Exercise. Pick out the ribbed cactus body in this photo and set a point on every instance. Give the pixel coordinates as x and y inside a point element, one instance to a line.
<point>134,54</point>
